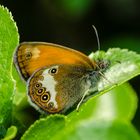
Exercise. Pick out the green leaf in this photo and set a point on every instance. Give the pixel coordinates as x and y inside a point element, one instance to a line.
<point>45,128</point>
<point>22,116</point>
<point>11,133</point>
<point>112,105</point>
<point>8,41</point>
<point>58,128</point>
<point>124,66</point>
<point>99,130</point>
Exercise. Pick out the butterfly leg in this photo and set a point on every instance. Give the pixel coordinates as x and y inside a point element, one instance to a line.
<point>78,106</point>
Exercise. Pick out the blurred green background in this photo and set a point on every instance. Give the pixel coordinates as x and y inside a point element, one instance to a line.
<point>69,23</point>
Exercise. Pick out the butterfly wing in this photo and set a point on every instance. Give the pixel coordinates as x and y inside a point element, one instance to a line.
<point>57,88</point>
<point>30,56</point>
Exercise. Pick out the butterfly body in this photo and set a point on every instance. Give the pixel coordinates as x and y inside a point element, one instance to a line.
<point>57,77</point>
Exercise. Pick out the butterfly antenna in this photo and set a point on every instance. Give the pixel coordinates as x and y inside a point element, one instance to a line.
<point>98,42</point>
<point>96,33</point>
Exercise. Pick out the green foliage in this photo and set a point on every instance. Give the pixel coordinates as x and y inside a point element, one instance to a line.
<point>11,133</point>
<point>76,7</point>
<point>69,9</point>
<point>102,118</point>
<point>124,66</point>
<point>89,129</point>
<point>99,130</point>
<point>44,128</point>
<point>112,105</point>
<point>106,117</point>
<point>8,40</point>
<point>124,41</point>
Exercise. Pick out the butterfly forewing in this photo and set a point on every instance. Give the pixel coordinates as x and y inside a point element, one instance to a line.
<point>32,56</point>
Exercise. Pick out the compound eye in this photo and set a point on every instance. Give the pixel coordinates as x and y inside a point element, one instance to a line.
<point>53,71</point>
<point>45,97</point>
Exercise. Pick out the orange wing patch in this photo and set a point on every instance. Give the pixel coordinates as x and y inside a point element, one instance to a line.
<point>32,56</point>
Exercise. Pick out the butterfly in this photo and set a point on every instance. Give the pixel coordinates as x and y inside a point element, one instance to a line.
<point>58,78</point>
